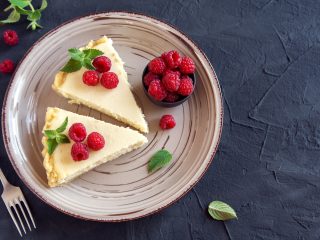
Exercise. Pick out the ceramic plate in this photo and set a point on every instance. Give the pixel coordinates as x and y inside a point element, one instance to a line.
<point>122,189</point>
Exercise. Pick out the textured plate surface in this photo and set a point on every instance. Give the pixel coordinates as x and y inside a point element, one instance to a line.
<point>121,189</point>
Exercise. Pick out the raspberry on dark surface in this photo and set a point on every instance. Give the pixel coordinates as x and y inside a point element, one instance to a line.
<point>95,141</point>
<point>167,122</point>
<point>157,90</point>
<point>79,151</point>
<point>172,59</point>
<point>102,64</point>
<point>6,66</point>
<point>90,78</point>
<point>172,97</point>
<point>149,77</point>
<point>171,82</point>
<point>171,71</point>
<point>157,65</point>
<point>10,37</point>
<point>187,65</point>
<point>77,132</point>
<point>186,86</point>
<point>109,80</point>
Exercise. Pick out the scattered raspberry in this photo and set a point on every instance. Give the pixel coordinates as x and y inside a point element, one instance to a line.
<point>10,37</point>
<point>157,90</point>
<point>102,64</point>
<point>90,77</point>
<point>77,132</point>
<point>157,65</point>
<point>171,71</point>
<point>172,97</point>
<point>167,122</point>
<point>186,86</point>
<point>79,151</point>
<point>95,141</point>
<point>187,65</point>
<point>172,59</point>
<point>6,66</point>
<point>149,77</point>
<point>109,80</point>
<point>171,82</point>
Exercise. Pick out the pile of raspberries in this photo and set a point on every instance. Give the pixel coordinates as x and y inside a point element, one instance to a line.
<point>168,77</point>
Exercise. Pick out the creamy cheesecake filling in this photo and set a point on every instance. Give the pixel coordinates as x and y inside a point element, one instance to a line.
<point>118,102</point>
<point>61,168</point>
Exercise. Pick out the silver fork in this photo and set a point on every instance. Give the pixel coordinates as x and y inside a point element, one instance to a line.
<point>12,196</point>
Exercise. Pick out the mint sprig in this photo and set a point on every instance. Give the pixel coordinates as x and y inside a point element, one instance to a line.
<point>80,59</point>
<point>24,7</point>
<point>159,160</point>
<point>56,137</point>
<point>221,211</point>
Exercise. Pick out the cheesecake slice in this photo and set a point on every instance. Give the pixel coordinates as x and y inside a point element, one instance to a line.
<point>118,103</point>
<point>61,168</point>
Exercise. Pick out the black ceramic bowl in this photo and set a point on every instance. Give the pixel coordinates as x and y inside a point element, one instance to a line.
<point>163,103</point>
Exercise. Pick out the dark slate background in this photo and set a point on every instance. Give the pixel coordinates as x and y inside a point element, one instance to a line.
<point>266,55</point>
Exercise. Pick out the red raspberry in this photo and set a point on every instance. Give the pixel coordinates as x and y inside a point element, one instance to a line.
<point>167,122</point>
<point>187,65</point>
<point>157,65</point>
<point>102,64</point>
<point>90,77</point>
<point>95,141</point>
<point>186,86</point>
<point>79,151</point>
<point>171,97</point>
<point>171,71</point>
<point>10,37</point>
<point>171,82</point>
<point>6,66</point>
<point>77,132</point>
<point>172,59</point>
<point>149,77</point>
<point>109,80</point>
<point>157,90</point>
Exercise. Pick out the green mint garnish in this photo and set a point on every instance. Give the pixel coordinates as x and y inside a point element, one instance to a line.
<point>221,211</point>
<point>80,59</point>
<point>24,7</point>
<point>159,160</point>
<point>56,137</point>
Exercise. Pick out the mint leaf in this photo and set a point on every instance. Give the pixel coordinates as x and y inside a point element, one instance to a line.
<point>34,25</point>
<point>92,53</point>
<point>62,138</point>
<point>72,66</point>
<point>63,126</point>
<point>13,17</point>
<point>34,16</point>
<point>221,211</point>
<point>52,145</point>
<point>44,5</point>
<point>76,54</point>
<point>80,59</point>
<point>20,8</point>
<point>20,3</point>
<point>8,8</point>
<point>22,11</point>
<point>87,63</point>
<point>51,134</point>
<point>55,136</point>
<point>159,160</point>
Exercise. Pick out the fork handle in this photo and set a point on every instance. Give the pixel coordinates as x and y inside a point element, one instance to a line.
<point>3,178</point>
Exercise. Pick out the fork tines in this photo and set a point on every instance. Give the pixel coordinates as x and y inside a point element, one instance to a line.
<point>17,213</point>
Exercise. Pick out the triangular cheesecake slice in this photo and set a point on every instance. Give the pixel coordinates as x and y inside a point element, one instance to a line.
<point>60,166</point>
<point>118,103</point>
